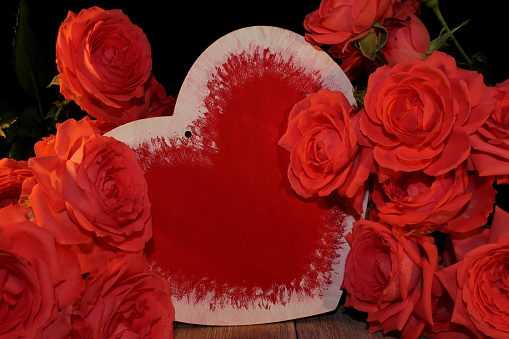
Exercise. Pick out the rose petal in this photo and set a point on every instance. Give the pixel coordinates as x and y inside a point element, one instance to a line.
<point>456,150</point>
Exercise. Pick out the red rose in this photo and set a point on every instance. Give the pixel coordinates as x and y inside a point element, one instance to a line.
<point>12,175</point>
<point>324,154</point>
<point>105,66</point>
<point>451,202</point>
<point>68,326</point>
<point>407,40</point>
<point>127,301</point>
<point>390,277</point>
<point>37,276</point>
<point>442,327</point>
<point>88,186</point>
<point>476,268</point>
<point>490,143</point>
<point>341,22</point>
<point>353,61</point>
<point>419,115</point>
<point>479,286</point>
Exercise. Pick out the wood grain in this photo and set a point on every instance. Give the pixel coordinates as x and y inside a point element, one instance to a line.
<point>342,323</point>
<point>282,330</point>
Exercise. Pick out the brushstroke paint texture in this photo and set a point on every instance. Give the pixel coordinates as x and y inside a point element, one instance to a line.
<point>230,235</point>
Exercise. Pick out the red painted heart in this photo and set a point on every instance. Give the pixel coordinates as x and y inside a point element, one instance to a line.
<point>236,243</point>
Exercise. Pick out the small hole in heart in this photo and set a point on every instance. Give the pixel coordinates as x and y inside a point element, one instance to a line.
<point>188,134</point>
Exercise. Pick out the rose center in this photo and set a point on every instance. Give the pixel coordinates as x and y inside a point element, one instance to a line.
<point>406,186</point>
<point>325,145</point>
<point>11,288</point>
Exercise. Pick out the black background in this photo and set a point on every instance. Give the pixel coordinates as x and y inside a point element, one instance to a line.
<point>179,31</point>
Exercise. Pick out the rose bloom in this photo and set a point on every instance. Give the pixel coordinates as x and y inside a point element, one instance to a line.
<point>353,61</point>
<point>480,287</point>
<point>90,186</point>
<point>407,40</point>
<point>105,66</point>
<point>37,276</point>
<point>442,327</point>
<point>12,175</point>
<point>68,326</point>
<point>390,277</point>
<point>451,202</point>
<point>127,301</point>
<point>419,115</point>
<point>490,143</point>
<point>339,22</point>
<point>324,153</point>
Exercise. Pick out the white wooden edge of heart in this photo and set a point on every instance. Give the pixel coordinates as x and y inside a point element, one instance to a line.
<point>189,108</point>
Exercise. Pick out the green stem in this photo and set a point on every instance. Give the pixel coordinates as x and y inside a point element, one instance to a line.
<point>436,10</point>
<point>379,59</point>
<point>61,108</point>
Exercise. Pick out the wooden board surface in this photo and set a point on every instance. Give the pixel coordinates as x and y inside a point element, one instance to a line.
<point>342,323</point>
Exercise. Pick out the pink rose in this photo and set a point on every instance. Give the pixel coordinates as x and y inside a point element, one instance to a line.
<point>105,66</point>
<point>37,276</point>
<point>390,277</point>
<point>90,187</point>
<point>12,175</point>
<point>407,40</point>
<point>451,202</point>
<point>339,22</point>
<point>419,115</point>
<point>324,154</point>
<point>127,301</point>
<point>490,143</point>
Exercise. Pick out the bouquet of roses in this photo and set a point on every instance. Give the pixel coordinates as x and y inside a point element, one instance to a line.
<point>75,216</point>
<point>430,141</point>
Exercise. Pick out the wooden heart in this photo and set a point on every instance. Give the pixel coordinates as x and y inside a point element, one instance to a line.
<point>236,243</point>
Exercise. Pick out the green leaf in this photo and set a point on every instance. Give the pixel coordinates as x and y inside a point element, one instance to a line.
<point>442,39</point>
<point>29,64</point>
<point>54,81</point>
<point>29,124</point>
<point>20,132</point>
<point>8,113</point>
<point>373,41</point>
<point>381,34</point>
<point>8,116</point>
<point>7,120</point>
<point>22,149</point>
<point>367,44</point>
